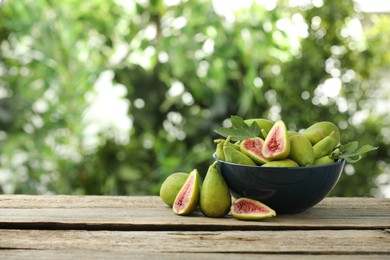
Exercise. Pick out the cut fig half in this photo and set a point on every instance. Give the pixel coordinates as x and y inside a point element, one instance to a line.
<point>250,209</point>
<point>252,147</point>
<point>187,199</point>
<point>277,144</point>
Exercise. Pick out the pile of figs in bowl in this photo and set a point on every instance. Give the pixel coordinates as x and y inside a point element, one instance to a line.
<point>284,189</point>
<point>289,171</point>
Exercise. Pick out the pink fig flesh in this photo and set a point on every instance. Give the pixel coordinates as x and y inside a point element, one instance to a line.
<point>252,147</point>
<point>187,199</point>
<point>250,209</point>
<point>277,144</point>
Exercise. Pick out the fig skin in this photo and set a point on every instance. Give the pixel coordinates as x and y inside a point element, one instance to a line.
<point>291,133</point>
<point>301,150</point>
<point>187,199</point>
<point>219,149</point>
<point>171,187</point>
<point>320,130</point>
<point>215,199</point>
<point>325,146</point>
<point>255,209</point>
<point>281,163</point>
<point>323,160</point>
<point>276,144</point>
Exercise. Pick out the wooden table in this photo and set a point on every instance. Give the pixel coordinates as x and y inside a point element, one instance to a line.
<point>142,227</point>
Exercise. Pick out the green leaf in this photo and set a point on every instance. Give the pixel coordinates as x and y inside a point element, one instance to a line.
<point>352,159</point>
<point>239,129</point>
<point>351,152</point>
<point>238,122</point>
<point>349,147</point>
<point>366,148</point>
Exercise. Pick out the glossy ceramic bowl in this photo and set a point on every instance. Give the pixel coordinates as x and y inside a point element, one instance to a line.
<point>284,189</point>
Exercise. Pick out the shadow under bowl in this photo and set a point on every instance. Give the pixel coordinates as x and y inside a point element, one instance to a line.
<point>284,189</point>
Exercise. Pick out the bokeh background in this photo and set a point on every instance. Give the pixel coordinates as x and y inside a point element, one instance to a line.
<point>110,97</point>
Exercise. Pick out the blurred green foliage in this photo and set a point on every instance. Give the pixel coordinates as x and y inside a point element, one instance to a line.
<point>185,66</point>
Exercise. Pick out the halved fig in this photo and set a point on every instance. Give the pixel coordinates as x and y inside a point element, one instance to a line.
<point>187,199</point>
<point>252,147</point>
<point>250,209</point>
<point>277,144</point>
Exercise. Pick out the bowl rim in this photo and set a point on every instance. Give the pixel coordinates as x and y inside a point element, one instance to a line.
<point>339,161</point>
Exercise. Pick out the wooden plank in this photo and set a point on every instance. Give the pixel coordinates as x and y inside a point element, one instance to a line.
<point>98,254</point>
<point>150,213</point>
<point>70,201</point>
<point>324,242</point>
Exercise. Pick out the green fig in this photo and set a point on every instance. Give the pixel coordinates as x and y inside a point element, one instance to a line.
<point>291,133</point>
<point>219,149</point>
<point>187,199</point>
<point>235,145</point>
<point>263,123</point>
<point>320,130</point>
<point>277,144</point>
<point>324,146</point>
<point>250,209</point>
<point>235,156</point>
<point>252,147</point>
<point>264,133</point>
<point>281,163</point>
<point>171,187</point>
<point>323,160</point>
<point>301,150</point>
<point>215,199</point>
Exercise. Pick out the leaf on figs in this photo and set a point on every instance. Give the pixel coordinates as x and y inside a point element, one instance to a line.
<point>239,130</point>
<point>351,152</point>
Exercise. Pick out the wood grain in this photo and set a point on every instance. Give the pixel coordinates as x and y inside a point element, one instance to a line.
<point>150,213</point>
<point>340,242</point>
<point>143,227</point>
<point>97,254</point>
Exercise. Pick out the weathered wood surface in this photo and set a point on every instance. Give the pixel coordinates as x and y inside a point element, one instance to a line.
<point>114,255</point>
<point>142,227</point>
<point>150,213</point>
<point>266,242</point>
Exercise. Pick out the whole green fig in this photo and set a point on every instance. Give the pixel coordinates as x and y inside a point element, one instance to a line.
<point>320,130</point>
<point>215,199</point>
<point>219,149</point>
<point>301,150</point>
<point>323,160</point>
<point>325,146</point>
<point>281,163</point>
<point>171,187</point>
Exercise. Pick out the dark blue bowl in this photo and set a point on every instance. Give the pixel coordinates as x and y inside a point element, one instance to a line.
<point>284,189</point>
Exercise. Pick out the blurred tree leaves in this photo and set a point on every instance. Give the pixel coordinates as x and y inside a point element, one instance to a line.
<point>187,67</point>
